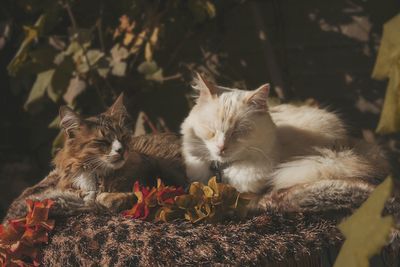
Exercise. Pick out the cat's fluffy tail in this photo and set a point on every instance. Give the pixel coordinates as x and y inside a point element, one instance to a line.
<point>363,161</point>
<point>320,196</point>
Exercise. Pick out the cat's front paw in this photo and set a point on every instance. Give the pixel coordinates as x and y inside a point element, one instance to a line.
<point>116,202</point>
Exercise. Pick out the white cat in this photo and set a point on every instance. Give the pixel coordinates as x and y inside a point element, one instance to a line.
<point>259,149</point>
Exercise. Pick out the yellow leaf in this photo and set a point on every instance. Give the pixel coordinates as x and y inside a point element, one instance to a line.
<point>389,121</point>
<point>212,183</point>
<point>210,9</point>
<point>128,38</point>
<point>389,50</point>
<point>31,34</point>
<point>196,189</point>
<point>208,192</point>
<point>138,42</point>
<point>388,66</point>
<point>148,53</point>
<point>366,231</point>
<point>185,201</point>
<point>154,36</point>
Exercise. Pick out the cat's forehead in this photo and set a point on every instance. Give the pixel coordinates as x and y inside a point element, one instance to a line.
<point>224,111</point>
<point>231,104</point>
<point>103,122</point>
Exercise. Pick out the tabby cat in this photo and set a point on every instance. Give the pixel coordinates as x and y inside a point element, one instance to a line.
<point>100,162</point>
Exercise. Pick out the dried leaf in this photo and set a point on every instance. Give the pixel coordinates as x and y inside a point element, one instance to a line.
<point>212,203</point>
<point>145,196</point>
<point>20,239</point>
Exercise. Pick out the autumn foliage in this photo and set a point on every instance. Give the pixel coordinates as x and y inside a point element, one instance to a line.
<point>151,199</point>
<point>20,239</point>
<point>211,203</point>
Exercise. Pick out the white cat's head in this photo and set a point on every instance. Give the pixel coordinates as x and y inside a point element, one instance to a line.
<point>224,123</point>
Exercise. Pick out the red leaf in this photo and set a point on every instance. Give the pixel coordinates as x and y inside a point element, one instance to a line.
<point>151,199</point>
<point>20,239</point>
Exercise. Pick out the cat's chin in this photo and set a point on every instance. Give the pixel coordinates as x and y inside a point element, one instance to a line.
<point>115,165</point>
<point>222,159</point>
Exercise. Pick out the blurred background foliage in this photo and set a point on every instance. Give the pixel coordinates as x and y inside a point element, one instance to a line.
<point>84,53</point>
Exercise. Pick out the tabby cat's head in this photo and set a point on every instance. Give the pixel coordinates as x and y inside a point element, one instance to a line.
<point>95,144</point>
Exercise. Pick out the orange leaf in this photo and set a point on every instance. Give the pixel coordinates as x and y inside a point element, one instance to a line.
<point>20,238</point>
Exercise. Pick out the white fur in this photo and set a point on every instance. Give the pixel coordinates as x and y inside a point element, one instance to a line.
<point>87,183</point>
<point>115,146</point>
<point>286,146</point>
<point>328,164</point>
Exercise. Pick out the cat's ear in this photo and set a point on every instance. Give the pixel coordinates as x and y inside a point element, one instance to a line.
<point>258,97</point>
<point>119,112</point>
<point>118,108</point>
<point>69,120</point>
<point>206,88</point>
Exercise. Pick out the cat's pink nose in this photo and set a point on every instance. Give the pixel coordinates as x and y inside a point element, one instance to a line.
<point>221,149</point>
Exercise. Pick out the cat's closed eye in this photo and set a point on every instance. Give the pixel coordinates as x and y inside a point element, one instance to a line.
<point>101,142</point>
<point>205,132</point>
<point>240,132</point>
<point>210,134</point>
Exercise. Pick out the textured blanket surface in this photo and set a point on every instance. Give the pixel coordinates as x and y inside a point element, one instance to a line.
<point>272,238</point>
<point>108,240</point>
<point>296,227</point>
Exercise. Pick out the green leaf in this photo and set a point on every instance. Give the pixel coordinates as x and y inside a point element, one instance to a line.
<point>89,60</point>
<point>73,47</point>
<point>119,53</point>
<point>119,66</point>
<point>82,36</point>
<point>55,124</point>
<point>202,9</point>
<point>37,60</point>
<point>39,88</point>
<point>31,35</point>
<point>366,231</point>
<point>103,67</point>
<point>151,71</point>
<point>148,67</point>
<point>156,76</point>
<point>61,79</point>
<point>119,69</point>
<point>76,87</point>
